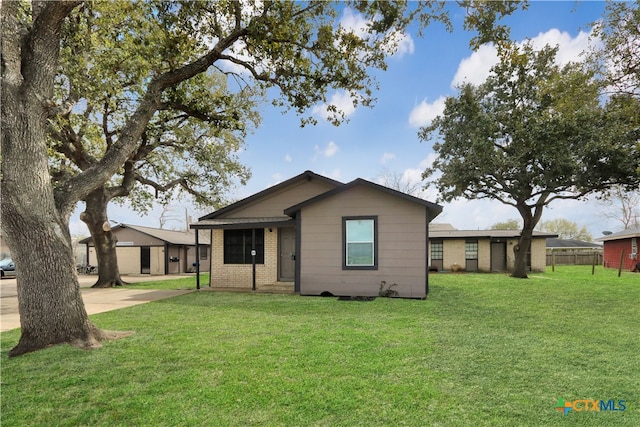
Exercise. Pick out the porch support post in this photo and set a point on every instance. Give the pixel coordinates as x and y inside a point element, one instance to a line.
<point>197,261</point>
<point>253,259</point>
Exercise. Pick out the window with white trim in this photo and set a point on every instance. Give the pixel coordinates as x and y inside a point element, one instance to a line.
<point>360,243</point>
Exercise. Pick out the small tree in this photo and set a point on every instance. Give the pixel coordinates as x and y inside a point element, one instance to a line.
<point>397,181</point>
<point>511,224</point>
<point>531,134</point>
<point>622,205</point>
<point>566,229</point>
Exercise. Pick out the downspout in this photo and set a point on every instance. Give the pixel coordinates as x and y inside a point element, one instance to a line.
<point>426,281</point>
<point>298,246</point>
<point>210,256</point>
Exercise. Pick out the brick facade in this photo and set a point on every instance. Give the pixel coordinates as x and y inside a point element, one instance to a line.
<point>241,275</point>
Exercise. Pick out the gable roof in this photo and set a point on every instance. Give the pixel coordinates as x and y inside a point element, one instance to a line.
<point>306,175</point>
<point>170,236</point>
<point>624,234</point>
<point>484,234</point>
<point>436,209</point>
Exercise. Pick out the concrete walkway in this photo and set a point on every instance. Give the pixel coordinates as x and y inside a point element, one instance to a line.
<point>95,300</point>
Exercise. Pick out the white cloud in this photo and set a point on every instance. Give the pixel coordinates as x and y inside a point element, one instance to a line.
<point>341,100</point>
<point>423,113</point>
<point>405,45</point>
<point>569,48</point>
<point>387,157</point>
<point>402,42</point>
<point>398,42</point>
<point>288,158</point>
<point>329,151</point>
<point>353,22</point>
<point>334,174</point>
<point>475,68</point>
<point>413,177</point>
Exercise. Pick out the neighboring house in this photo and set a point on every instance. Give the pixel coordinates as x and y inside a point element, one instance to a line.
<point>324,237</point>
<point>574,252</point>
<point>483,250</point>
<point>622,245</point>
<point>146,250</point>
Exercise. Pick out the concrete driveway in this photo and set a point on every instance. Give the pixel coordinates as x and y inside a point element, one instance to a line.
<point>95,300</point>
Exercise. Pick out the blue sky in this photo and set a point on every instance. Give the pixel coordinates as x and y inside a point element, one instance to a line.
<point>384,137</point>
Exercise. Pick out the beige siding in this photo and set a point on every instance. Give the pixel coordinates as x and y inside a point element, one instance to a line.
<point>241,275</point>
<point>128,260</point>
<point>157,260</point>
<point>275,204</point>
<point>191,258</point>
<point>484,255</point>
<point>133,237</point>
<point>401,245</point>
<point>177,252</point>
<point>538,255</point>
<point>454,253</point>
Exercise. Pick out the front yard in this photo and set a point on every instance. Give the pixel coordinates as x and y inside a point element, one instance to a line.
<point>481,350</point>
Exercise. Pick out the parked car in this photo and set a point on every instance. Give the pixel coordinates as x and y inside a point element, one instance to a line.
<point>7,268</point>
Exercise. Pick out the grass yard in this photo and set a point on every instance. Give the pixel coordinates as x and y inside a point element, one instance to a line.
<point>482,350</point>
<point>181,283</point>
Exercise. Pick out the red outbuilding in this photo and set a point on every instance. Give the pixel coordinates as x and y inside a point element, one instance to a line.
<point>621,246</point>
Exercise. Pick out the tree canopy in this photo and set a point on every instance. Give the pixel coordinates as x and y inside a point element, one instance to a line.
<point>510,224</point>
<point>617,58</point>
<point>566,229</point>
<point>533,133</point>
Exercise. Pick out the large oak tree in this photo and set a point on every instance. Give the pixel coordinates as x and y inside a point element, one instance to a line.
<point>297,48</point>
<point>533,133</point>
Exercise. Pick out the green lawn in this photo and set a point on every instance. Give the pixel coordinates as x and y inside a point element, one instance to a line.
<point>182,283</point>
<point>482,350</point>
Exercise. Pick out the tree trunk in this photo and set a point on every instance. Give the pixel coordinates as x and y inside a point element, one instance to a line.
<point>95,216</point>
<point>520,251</point>
<point>520,264</point>
<point>49,299</point>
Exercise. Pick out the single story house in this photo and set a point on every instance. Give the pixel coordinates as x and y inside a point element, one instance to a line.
<point>147,250</point>
<point>322,237</point>
<point>483,250</point>
<point>622,245</point>
<point>573,252</point>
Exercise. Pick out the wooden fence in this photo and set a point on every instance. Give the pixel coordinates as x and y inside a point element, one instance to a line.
<point>574,258</point>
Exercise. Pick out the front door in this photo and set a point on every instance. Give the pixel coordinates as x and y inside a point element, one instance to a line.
<point>287,250</point>
<point>498,256</point>
<point>145,259</point>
